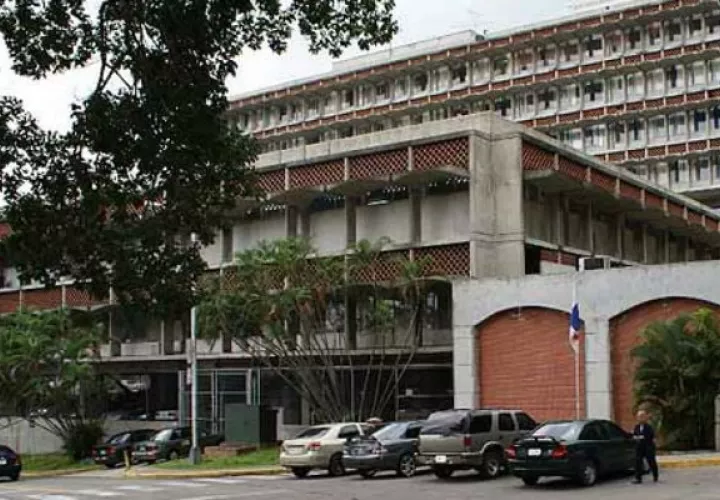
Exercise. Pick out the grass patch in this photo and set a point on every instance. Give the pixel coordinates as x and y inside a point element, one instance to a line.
<point>264,457</point>
<point>51,462</point>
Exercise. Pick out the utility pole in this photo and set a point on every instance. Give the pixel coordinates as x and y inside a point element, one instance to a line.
<point>195,455</point>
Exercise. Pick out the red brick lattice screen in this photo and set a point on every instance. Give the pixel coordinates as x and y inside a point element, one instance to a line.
<point>319,174</point>
<point>9,302</point>
<point>81,299</point>
<point>572,169</point>
<point>447,260</point>
<point>603,181</point>
<point>379,164</point>
<point>46,298</point>
<point>387,267</point>
<point>453,153</point>
<point>273,181</point>
<point>535,158</point>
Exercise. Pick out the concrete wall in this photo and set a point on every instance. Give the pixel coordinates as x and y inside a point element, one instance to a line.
<point>33,440</point>
<point>602,295</point>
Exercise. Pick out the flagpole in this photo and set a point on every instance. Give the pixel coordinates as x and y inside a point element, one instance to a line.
<point>576,352</point>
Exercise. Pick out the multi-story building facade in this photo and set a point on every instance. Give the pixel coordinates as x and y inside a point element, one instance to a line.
<point>636,84</point>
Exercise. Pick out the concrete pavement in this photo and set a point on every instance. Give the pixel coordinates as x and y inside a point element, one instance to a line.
<point>676,484</point>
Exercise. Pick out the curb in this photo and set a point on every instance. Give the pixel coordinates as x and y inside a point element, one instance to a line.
<point>689,463</point>
<point>56,473</point>
<point>200,474</point>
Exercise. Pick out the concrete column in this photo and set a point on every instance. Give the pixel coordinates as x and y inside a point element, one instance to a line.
<point>644,244</point>
<point>598,374</point>
<point>620,236</point>
<point>591,229</point>
<point>666,247</point>
<point>291,221</point>
<point>305,223</point>
<point>497,232</point>
<point>351,220</point>
<point>559,227</point>
<point>415,215</point>
<point>465,382</point>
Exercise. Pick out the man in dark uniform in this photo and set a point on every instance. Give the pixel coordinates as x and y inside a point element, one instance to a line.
<point>644,436</point>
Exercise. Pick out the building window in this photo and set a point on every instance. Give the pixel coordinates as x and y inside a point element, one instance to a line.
<point>712,24</point>
<point>677,126</point>
<point>313,108</point>
<point>328,105</point>
<point>653,35</point>
<point>382,92</point>
<point>655,82</point>
<point>636,131</point>
<point>525,104</point>
<point>635,85</point>
<point>696,74</point>
<point>227,245</point>
<point>702,170</point>
<point>570,53</point>
<point>695,27</point>
<point>678,170</point>
<point>503,106</point>
<point>657,129</point>
<point>547,56</point>
<point>500,66</point>
<point>459,75</point>
<point>699,123</point>
<point>674,76</point>
<point>594,46</point>
<point>617,135</point>
<point>616,89</point>
<point>400,88</point>
<point>348,98</point>
<point>523,61</point>
<point>633,38</point>
<point>595,92</point>
<point>547,100</point>
<point>570,96</point>
<point>716,118</point>
<point>595,138</point>
<point>714,71</point>
<point>481,69</point>
<point>613,43</point>
<point>673,31</point>
<point>420,83</point>
<point>572,138</point>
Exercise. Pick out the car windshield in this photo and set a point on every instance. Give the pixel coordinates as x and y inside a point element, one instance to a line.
<point>564,431</point>
<point>118,438</point>
<point>163,435</point>
<point>391,432</point>
<point>313,432</point>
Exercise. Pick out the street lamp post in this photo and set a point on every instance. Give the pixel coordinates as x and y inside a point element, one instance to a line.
<point>195,454</point>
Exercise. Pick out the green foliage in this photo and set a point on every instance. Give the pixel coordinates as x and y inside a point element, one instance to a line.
<point>286,306</point>
<point>678,376</point>
<point>81,437</point>
<point>150,157</point>
<point>46,375</point>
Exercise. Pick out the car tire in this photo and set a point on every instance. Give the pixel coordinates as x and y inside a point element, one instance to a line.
<point>110,466</point>
<point>300,472</point>
<point>14,477</point>
<point>442,472</point>
<point>173,455</point>
<point>336,467</point>
<point>588,474</point>
<point>492,465</point>
<point>406,466</point>
<point>367,473</point>
<point>530,480</point>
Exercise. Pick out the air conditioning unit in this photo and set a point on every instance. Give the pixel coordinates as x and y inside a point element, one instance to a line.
<point>594,263</point>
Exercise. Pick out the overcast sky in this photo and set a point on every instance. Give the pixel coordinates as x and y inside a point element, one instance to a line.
<point>49,100</point>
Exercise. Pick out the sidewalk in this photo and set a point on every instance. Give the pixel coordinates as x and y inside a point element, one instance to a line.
<point>680,460</point>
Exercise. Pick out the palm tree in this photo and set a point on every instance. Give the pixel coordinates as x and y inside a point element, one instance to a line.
<point>678,375</point>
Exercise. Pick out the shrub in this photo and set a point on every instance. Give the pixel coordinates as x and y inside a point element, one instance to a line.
<point>81,437</point>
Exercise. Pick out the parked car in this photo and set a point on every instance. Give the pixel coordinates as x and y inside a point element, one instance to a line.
<point>391,448</point>
<point>320,447</point>
<point>10,464</point>
<point>112,452</point>
<point>580,449</point>
<point>471,439</point>
<point>171,444</point>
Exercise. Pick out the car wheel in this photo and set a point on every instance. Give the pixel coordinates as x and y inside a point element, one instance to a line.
<point>588,474</point>
<point>443,472</point>
<point>406,466</point>
<point>367,473</point>
<point>336,467</point>
<point>492,465</point>
<point>110,466</point>
<point>300,472</point>
<point>173,455</point>
<point>15,477</point>
<point>530,480</point>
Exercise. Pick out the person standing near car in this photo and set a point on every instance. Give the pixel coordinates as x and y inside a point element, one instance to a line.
<point>644,435</point>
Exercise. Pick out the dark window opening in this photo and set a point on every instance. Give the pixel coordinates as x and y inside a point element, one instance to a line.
<point>532,260</point>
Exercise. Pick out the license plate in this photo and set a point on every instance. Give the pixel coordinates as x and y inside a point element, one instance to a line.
<point>3,461</point>
<point>534,452</point>
<point>294,451</point>
<point>440,459</point>
<point>103,453</point>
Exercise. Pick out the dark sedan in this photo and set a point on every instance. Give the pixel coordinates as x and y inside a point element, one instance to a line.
<point>171,444</point>
<point>10,464</point>
<point>582,450</point>
<point>391,448</point>
<point>112,452</point>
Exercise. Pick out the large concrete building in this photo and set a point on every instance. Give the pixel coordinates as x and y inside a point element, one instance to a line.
<point>635,83</point>
<point>492,203</point>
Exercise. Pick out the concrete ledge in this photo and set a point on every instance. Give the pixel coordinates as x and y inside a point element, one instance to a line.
<point>688,462</point>
<point>209,473</point>
<point>56,473</point>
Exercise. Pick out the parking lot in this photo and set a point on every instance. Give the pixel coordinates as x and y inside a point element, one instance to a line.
<point>696,484</point>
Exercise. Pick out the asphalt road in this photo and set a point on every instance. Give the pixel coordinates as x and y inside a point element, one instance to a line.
<point>696,484</point>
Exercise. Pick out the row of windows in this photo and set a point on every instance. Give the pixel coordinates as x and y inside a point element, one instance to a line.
<point>685,173</point>
<point>674,32</point>
<point>641,132</point>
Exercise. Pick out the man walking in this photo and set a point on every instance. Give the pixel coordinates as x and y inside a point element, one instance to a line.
<point>644,436</point>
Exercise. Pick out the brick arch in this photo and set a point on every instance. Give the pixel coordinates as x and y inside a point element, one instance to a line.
<point>524,361</point>
<point>624,335</point>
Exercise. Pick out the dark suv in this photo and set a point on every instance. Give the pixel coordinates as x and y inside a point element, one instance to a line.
<point>471,439</point>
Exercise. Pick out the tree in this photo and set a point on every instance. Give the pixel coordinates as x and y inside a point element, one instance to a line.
<point>46,375</point>
<point>287,308</point>
<point>678,375</point>
<point>150,157</point>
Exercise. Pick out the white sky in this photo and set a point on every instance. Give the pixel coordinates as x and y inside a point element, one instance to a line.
<point>49,100</point>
